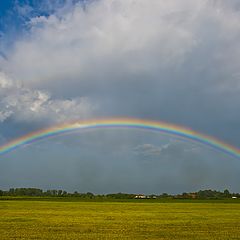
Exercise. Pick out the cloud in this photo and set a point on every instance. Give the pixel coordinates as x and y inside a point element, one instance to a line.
<point>26,105</point>
<point>152,59</point>
<point>81,43</point>
<point>172,149</point>
<point>150,149</point>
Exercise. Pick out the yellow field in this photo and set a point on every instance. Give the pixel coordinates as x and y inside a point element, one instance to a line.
<point>116,220</point>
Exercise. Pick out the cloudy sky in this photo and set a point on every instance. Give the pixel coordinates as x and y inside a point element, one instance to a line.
<point>173,61</point>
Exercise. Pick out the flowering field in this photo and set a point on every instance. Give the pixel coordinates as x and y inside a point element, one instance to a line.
<point>118,220</point>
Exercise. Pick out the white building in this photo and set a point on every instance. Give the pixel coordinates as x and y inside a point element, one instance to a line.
<point>141,196</point>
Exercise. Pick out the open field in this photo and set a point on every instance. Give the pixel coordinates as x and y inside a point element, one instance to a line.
<point>119,220</point>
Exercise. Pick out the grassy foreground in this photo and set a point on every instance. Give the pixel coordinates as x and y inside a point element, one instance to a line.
<point>118,220</point>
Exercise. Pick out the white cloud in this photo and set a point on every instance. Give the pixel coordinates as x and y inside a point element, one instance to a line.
<point>174,148</point>
<point>75,47</point>
<point>5,81</point>
<point>27,105</point>
<point>5,115</point>
<point>130,35</point>
<point>151,150</point>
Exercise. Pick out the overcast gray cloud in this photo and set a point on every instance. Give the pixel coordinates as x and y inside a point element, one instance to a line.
<point>175,61</point>
<point>115,160</point>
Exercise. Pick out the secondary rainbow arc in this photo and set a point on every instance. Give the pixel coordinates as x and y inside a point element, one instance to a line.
<point>171,129</point>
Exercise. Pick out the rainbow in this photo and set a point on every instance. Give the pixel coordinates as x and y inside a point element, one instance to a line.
<point>170,129</point>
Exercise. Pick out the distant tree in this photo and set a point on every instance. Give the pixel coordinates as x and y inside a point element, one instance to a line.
<point>90,195</point>
<point>120,196</point>
<point>54,192</point>
<point>226,193</point>
<point>64,193</point>
<point>211,194</point>
<point>11,191</point>
<point>164,195</point>
<point>202,194</point>
<point>185,195</point>
<point>48,193</point>
<point>76,194</point>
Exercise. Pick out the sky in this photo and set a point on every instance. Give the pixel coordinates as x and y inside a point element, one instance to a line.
<point>172,61</point>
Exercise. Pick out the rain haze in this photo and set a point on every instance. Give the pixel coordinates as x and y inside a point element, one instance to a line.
<point>66,60</point>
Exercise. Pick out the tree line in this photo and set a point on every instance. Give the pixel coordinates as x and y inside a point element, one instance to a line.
<point>36,192</point>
